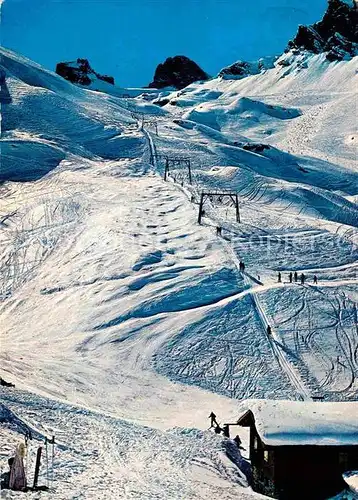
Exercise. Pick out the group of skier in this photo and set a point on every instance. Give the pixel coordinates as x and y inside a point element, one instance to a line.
<point>293,277</point>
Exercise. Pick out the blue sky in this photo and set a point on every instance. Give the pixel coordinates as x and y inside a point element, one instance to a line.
<point>128,38</point>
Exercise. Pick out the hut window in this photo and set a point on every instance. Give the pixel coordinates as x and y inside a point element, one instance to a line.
<point>266,455</point>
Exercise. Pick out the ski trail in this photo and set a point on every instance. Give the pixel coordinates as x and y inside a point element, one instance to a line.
<point>274,339</point>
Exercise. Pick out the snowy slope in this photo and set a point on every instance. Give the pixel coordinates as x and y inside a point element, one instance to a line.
<point>298,201</point>
<point>121,316</point>
<point>49,118</point>
<point>89,231</point>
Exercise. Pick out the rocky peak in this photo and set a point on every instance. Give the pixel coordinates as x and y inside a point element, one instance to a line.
<point>177,72</point>
<point>336,33</point>
<point>80,72</point>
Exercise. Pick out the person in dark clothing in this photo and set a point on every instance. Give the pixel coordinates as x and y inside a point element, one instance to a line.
<point>243,266</point>
<point>279,277</point>
<point>269,330</point>
<point>238,442</point>
<point>303,277</point>
<point>296,276</point>
<point>290,277</point>
<point>218,230</point>
<point>315,280</point>
<point>213,421</point>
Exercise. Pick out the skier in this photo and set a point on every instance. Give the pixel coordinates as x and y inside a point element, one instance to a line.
<point>315,280</point>
<point>269,331</point>
<point>213,421</point>
<point>296,276</point>
<point>303,279</point>
<point>218,230</point>
<point>279,277</point>
<point>290,277</point>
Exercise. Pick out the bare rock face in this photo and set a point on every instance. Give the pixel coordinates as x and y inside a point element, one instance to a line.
<point>80,72</point>
<point>242,69</point>
<point>177,72</point>
<point>336,34</point>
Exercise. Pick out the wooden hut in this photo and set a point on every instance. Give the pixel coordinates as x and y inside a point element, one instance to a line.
<point>299,450</point>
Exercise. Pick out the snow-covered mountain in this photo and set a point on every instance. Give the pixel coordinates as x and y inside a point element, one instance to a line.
<point>124,322</point>
<point>81,72</point>
<point>336,34</point>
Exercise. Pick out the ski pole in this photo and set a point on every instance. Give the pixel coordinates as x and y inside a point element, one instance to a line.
<point>46,448</point>
<point>53,459</point>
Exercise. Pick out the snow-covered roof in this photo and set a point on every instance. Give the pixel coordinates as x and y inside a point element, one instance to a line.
<point>284,423</point>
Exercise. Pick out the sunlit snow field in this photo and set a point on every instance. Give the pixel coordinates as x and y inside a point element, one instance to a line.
<point>124,323</point>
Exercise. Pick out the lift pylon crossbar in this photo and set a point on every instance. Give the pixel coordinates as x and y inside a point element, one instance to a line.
<point>171,162</point>
<point>219,196</point>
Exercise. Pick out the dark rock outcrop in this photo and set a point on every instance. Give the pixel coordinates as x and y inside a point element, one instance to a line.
<point>177,72</point>
<point>241,69</point>
<point>80,72</point>
<point>336,34</point>
<point>255,147</point>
